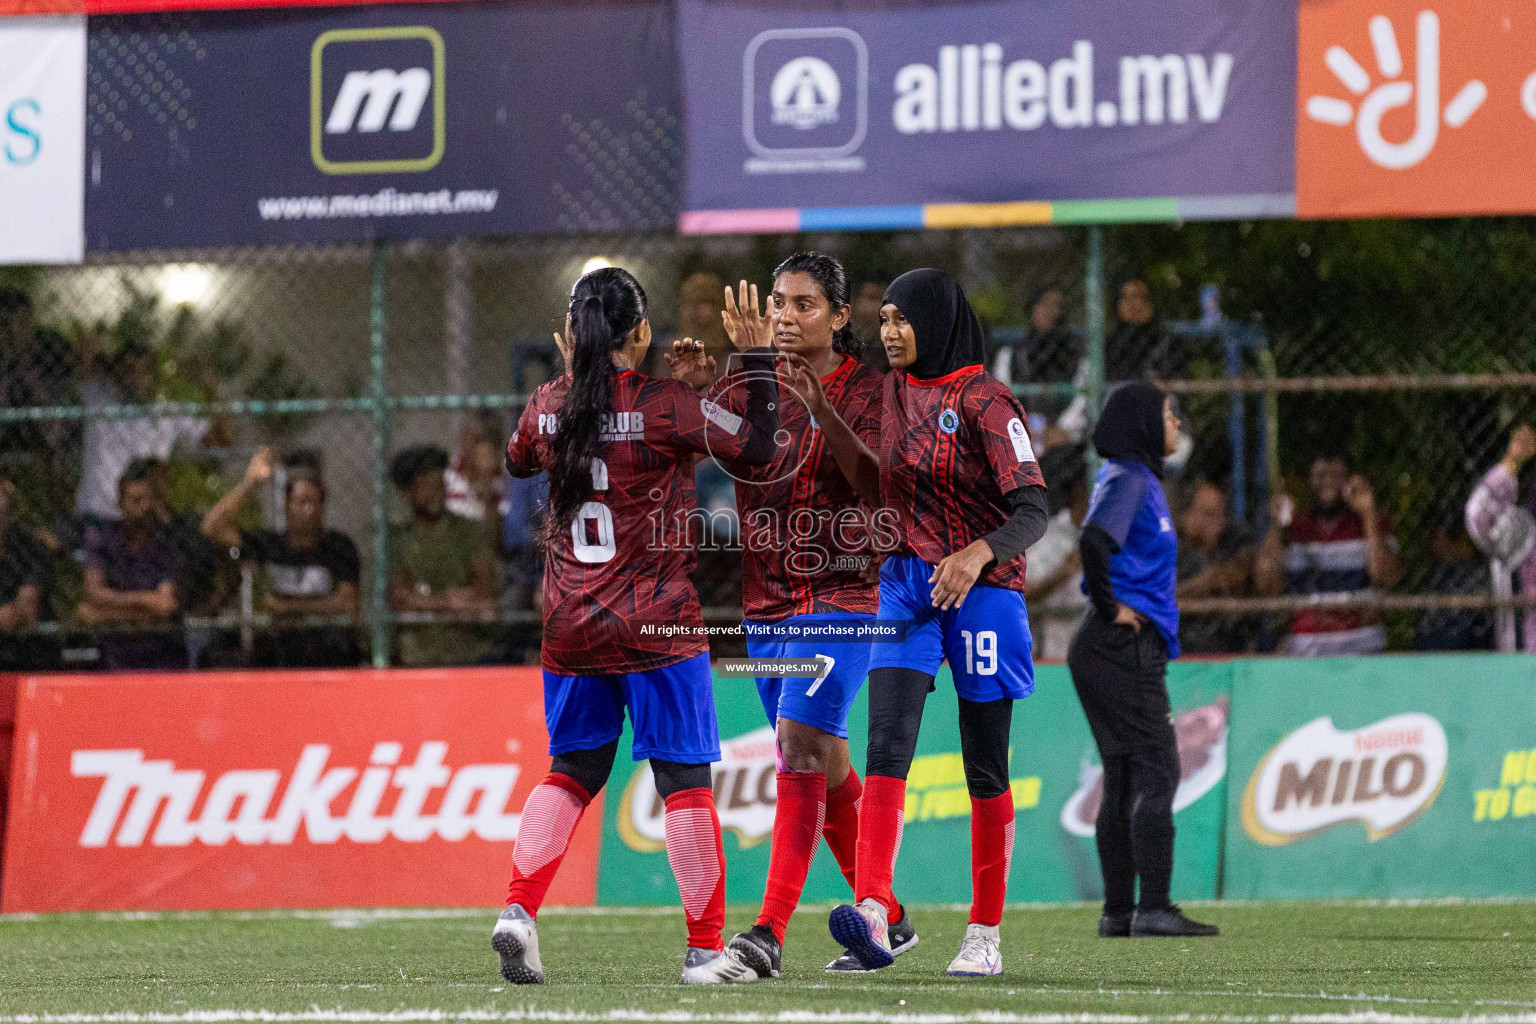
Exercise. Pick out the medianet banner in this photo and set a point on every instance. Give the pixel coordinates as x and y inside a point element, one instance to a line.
<point>277,789</point>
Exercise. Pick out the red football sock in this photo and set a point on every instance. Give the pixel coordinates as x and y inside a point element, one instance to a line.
<point>697,856</point>
<point>797,822</point>
<point>549,817</point>
<point>991,855</point>
<point>881,817</point>
<point>842,826</point>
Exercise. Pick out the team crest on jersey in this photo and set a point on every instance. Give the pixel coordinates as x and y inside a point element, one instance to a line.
<point>949,421</point>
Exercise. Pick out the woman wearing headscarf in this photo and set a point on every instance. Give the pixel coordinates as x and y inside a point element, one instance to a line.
<point>960,489</point>
<point>1119,660</point>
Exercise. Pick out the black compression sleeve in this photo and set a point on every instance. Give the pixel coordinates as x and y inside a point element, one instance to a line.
<point>1025,526</point>
<point>762,407</point>
<point>1096,547</point>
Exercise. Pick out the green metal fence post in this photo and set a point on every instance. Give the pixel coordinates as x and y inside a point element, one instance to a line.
<point>1093,296</point>
<point>378,347</point>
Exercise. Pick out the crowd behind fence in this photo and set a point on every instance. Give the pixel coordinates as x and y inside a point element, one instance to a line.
<point>293,456</point>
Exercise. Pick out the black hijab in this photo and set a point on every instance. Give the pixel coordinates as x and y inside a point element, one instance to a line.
<point>948,334</point>
<point>1131,426</point>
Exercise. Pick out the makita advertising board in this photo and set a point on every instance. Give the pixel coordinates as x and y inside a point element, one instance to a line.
<point>394,121</point>
<point>277,789</point>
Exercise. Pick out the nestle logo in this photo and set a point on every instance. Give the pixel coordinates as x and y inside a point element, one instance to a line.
<point>378,100</point>
<point>1382,776</point>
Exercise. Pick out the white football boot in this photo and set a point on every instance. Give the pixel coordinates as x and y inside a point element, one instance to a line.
<point>516,940</point>
<point>981,955</point>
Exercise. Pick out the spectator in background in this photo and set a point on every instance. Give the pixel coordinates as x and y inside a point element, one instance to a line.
<point>1341,544</point>
<point>1139,346</point>
<point>527,498</point>
<point>1504,531</point>
<point>1215,560</point>
<point>132,377</point>
<point>1457,571</point>
<point>132,568</point>
<point>36,368</point>
<point>24,571</point>
<point>864,318</point>
<point>1049,351</point>
<point>476,482</point>
<point>309,570</point>
<point>441,563</point>
<point>1053,571</point>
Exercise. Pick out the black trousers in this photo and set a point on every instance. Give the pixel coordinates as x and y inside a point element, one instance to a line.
<point>1121,679</point>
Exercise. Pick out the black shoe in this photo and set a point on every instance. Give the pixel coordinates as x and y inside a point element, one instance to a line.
<point>902,933</point>
<point>759,950</point>
<point>1114,926</point>
<point>1169,921</point>
<point>903,936</point>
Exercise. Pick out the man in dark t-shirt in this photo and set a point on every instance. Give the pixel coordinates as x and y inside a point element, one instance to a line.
<point>133,571</point>
<point>309,570</point>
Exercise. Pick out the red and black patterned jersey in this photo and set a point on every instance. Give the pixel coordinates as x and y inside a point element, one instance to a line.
<point>804,532</point>
<point>951,449</point>
<point>616,584</point>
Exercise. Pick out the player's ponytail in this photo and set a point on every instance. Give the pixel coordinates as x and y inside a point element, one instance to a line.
<point>832,279</point>
<point>605,306</point>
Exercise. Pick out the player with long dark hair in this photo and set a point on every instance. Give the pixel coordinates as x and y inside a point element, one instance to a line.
<point>957,469</point>
<point>623,630</point>
<point>806,524</point>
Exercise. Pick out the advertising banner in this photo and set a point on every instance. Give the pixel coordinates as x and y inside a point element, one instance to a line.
<point>807,117</point>
<point>1055,777</point>
<point>32,7</point>
<point>1382,777</point>
<point>175,791</point>
<point>42,135</point>
<point>1412,108</point>
<point>392,122</point>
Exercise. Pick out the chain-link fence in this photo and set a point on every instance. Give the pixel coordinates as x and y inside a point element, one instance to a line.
<point>144,526</point>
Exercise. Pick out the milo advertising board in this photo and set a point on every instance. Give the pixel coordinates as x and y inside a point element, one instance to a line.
<point>1055,780</point>
<point>1383,777</point>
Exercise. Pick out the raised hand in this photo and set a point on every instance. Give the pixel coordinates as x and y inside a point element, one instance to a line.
<point>745,323</point>
<point>1357,491</point>
<point>691,364</point>
<point>262,464</point>
<point>803,380</point>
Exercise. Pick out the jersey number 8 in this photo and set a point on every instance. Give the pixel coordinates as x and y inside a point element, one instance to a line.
<point>980,654</point>
<point>601,518</point>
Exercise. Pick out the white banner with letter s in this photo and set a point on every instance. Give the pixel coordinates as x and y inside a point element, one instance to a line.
<point>42,140</point>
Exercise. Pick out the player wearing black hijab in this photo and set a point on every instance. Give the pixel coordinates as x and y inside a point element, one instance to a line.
<point>958,478</point>
<point>1119,660</point>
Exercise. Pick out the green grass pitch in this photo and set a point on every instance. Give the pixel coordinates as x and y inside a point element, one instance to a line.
<point>1323,963</point>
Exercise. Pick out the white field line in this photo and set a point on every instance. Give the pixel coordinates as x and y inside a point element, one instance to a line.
<point>316,1015</point>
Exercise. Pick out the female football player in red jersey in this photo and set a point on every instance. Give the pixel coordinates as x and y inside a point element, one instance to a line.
<point>957,469</point>
<point>805,527</point>
<point>619,448</point>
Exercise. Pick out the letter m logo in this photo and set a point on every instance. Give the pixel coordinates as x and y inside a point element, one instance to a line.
<point>377,100</point>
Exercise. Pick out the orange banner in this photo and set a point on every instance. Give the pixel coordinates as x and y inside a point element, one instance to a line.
<point>1415,108</point>
<point>277,789</point>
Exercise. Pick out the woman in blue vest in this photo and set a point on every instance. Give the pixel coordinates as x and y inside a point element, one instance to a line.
<point>1119,660</point>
